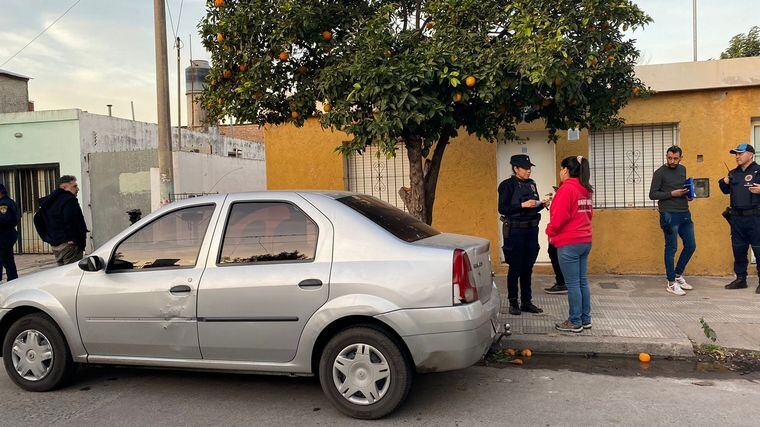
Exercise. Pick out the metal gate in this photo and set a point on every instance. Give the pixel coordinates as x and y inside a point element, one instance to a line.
<point>375,174</point>
<point>26,185</point>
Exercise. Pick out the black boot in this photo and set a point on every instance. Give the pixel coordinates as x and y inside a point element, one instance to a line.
<point>514,308</point>
<point>757,291</point>
<point>530,308</point>
<point>738,283</point>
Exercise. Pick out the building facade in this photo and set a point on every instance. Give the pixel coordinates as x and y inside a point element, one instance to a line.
<point>116,162</point>
<point>706,108</point>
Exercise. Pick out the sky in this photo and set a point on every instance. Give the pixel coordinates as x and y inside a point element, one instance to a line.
<point>102,52</point>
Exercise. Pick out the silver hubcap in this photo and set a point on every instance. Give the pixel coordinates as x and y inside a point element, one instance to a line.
<point>361,374</point>
<point>32,355</point>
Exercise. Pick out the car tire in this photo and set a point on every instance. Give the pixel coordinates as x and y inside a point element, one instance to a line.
<point>356,361</point>
<point>36,335</point>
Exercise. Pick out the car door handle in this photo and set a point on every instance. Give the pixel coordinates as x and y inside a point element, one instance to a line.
<point>180,289</point>
<point>310,283</point>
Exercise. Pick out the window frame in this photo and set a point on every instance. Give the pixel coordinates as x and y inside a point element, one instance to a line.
<point>612,204</point>
<point>109,264</point>
<point>222,237</point>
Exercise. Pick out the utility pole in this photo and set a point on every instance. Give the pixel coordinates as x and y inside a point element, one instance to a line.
<point>165,164</point>
<point>179,97</point>
<point>694,24</point>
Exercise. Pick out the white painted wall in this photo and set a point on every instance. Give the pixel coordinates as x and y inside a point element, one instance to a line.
<point>203,173</point>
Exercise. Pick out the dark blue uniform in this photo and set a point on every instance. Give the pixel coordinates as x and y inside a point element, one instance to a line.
<point>520,235</point>
<point>8,234</point>
<point>744,215</point>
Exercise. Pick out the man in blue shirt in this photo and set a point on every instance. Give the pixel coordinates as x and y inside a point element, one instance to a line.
<point>743,184</point>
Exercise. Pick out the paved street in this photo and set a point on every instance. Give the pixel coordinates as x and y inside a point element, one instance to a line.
<point>587,394</point>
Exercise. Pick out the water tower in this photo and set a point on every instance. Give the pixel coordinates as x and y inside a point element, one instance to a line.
<point>195,82</point>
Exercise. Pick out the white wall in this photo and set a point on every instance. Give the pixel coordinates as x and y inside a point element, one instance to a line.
<point>203,173</point>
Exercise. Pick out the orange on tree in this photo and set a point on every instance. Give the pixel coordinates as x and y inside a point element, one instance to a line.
<point>243,68</point>
<point>302,69</point>
<point>284,56</point>
<point>388,53</point>
<point>430,25</point>
<point>218,3</point>
<point>470,81</point>
<point>227,74</point>
<point>458,97</point>
<point>327,107</point>
<point>219,37</point>
<point>326,36</point>
<point>294,115</point>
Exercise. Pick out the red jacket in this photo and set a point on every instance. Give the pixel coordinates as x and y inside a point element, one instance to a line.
<point>570,215</point>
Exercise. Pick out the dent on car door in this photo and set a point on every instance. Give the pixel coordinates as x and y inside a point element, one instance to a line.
<point>270,274</point>
<point>144,303</point>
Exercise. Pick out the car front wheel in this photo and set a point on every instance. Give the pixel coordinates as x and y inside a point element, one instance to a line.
<point>35,354</point>
<point>364,372</point>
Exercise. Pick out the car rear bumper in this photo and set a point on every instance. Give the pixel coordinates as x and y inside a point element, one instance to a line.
<point>448,338</point>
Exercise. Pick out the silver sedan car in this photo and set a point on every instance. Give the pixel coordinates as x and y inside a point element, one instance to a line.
<point>333,284</point>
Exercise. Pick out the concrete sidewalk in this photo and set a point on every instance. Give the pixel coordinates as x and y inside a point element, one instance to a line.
<point>633,314</point>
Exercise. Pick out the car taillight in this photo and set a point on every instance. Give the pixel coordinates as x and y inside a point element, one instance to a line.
<point>462,279</point>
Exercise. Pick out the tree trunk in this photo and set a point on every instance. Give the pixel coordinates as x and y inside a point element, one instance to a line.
<point>414,195</point>
<point>419,197</point>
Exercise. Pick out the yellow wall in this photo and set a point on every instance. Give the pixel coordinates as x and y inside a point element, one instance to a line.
<point>625,240</point>
<point>303,158</point>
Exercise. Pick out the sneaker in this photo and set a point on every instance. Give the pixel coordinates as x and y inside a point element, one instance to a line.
<point>674,289</point>
<point>587,325</point>
<point>738,283</point>
<point>530,308</point>
<point>556,289</point>
<point>566,326</point>
<point>514,310</point>
<point>682,283</point>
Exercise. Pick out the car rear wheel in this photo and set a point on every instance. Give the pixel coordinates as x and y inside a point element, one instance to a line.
<point>364,372</point>
<point>35,354</point>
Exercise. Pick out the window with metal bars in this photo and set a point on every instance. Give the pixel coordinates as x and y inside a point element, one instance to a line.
<point>374,174</point>
<point>623,161</point>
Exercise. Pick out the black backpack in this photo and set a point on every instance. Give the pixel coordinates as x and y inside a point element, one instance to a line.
<point>41,226</point>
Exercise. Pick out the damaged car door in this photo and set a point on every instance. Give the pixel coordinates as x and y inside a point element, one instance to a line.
<point>144,303</point>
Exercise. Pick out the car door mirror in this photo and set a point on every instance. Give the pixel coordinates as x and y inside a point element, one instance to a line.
<point>91,263</point>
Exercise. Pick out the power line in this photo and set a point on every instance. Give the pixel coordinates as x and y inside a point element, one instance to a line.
<point>179,17</point>
<point>41,33</point>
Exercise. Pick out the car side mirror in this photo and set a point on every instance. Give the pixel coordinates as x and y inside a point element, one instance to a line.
<point>91,263</point>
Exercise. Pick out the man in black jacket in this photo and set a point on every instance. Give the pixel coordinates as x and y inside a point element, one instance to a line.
<point>8,234</point>
<point>60,222</point>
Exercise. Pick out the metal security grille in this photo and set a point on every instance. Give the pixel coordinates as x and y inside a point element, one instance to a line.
<point>26,185</point>
<point>373,174</point>
<point>623,161</point>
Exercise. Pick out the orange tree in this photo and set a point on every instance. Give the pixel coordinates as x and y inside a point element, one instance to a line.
<point>418,72</point>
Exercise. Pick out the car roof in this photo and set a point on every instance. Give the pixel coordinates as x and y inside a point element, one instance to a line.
<point>218,198</point>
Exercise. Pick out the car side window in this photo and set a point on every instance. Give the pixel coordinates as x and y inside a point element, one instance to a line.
<point>172,241</point>
<point>259,232</point>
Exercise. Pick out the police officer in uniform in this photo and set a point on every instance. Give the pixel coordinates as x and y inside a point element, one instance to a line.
<point>8,235</point>
<point>519,206</point>
<point>743,184</point>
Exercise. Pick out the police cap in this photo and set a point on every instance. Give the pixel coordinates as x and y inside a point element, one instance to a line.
<point>521,161</point>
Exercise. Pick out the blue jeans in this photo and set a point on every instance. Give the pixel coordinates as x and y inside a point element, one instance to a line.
<point>676,224</point>
<point>573,260</point>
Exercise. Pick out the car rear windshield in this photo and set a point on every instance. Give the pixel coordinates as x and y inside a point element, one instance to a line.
<point>392,219</point>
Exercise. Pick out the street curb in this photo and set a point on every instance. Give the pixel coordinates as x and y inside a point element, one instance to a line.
<point>585,344</point>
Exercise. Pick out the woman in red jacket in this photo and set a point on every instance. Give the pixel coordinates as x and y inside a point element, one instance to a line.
<point>569,230</point>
